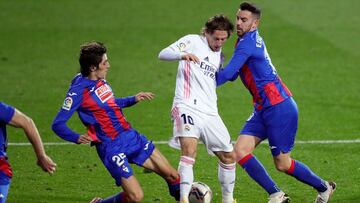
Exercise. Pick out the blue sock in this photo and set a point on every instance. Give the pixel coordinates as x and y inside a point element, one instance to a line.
<point>118,198</point>
<point>258,173</point>
<point>304,174</point>
<point>174,189</point>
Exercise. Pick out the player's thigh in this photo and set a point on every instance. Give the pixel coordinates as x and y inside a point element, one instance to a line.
<point>158,163</point>
<point>187,122</point>
<point>215,135</point>
<point>282,124</point>
<point>115,161</point>
<point>4,189</point>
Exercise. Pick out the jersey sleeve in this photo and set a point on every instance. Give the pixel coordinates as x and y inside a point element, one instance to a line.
<point>71,104</point>
<point>6,112</point>
<point>126,101</point>
<point>242,52</point>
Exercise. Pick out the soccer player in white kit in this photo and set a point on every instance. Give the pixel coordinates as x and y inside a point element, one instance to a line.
<point>194,111</point>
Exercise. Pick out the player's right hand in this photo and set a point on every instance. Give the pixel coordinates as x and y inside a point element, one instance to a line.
<point>84,139</point>
<point>190,57</point>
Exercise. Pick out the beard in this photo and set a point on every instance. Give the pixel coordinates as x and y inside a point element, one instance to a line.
<point>240,32</point>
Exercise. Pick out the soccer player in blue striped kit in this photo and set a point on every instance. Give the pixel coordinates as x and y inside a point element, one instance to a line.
<point>117,143</point>
<point>275,115</point>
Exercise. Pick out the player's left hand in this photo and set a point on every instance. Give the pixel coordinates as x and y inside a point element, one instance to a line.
<point>144,96</point>
<point>84,139</point>
<point>46,164</point>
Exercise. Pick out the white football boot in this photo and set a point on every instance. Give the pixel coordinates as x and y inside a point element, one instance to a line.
<point>324,197</point>
<point>279,197</point>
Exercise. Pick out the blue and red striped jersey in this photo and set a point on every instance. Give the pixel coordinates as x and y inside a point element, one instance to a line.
<point>252,63</point>
<point>6,114</point>
<point>97,107</point>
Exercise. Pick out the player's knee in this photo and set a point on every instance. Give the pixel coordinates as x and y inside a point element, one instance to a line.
<point>136,196</point>
<point>189,152</point>
<point>282,167</point>
<point>241,153</point>
<point>228,157</point>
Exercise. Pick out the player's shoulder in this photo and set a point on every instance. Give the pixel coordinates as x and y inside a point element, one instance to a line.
<point>255,38</point>
<point>4,106</point>
<point>191,38</point>
<point>78,84</point>
<point>6,112</point>
<point>251,40</point>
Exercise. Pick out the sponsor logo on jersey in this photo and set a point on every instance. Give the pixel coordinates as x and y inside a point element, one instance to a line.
<point>206,59</point>
<point>104,93</point>
<point>208,69</point>
<point>72,94</point>
<point>67,103</point>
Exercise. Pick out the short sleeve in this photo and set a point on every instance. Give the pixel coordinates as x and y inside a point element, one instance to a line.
<point>6,112</point>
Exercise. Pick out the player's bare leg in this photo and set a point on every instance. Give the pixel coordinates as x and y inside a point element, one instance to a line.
<point>132,192</point>
<point>226,174</point>
<point>160,165</point>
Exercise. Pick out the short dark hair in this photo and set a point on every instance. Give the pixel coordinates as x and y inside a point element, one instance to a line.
<point>219,22</point>
<point>91,54</point>
<point>251,7</point>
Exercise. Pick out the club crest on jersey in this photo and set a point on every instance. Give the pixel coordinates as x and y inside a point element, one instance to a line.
<point>104,93</point>
<point>67,103</point>
<point>187,127</point>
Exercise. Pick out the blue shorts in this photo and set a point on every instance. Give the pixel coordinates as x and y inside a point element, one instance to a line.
<point>128,147</point>
<point>277,123</point>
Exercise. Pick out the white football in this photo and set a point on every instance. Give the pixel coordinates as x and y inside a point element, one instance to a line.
<point>200,193</point>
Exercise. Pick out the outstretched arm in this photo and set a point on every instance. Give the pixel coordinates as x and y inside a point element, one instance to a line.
<point>20,120</point>
<point>141,96</point>
<point>170,54</point>
<point>129,101</point>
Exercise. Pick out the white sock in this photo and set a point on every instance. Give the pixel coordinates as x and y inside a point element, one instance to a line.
<point>186,176</point>
<point>226,175</point>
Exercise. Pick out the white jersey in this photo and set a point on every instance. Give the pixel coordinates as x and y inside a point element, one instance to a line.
<point>195,82</point>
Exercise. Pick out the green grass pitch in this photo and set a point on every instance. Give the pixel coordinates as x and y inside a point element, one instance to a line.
<point>313,45</point>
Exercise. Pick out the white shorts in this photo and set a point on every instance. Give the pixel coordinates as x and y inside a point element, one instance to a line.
<point>209,129</point>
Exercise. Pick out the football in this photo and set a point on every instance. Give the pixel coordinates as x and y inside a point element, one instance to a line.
<point>200,193</point>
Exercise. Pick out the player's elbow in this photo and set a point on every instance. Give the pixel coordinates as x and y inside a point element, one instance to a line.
<point>56,127</point>
<point>27,122</point>
<point>161,55</point>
